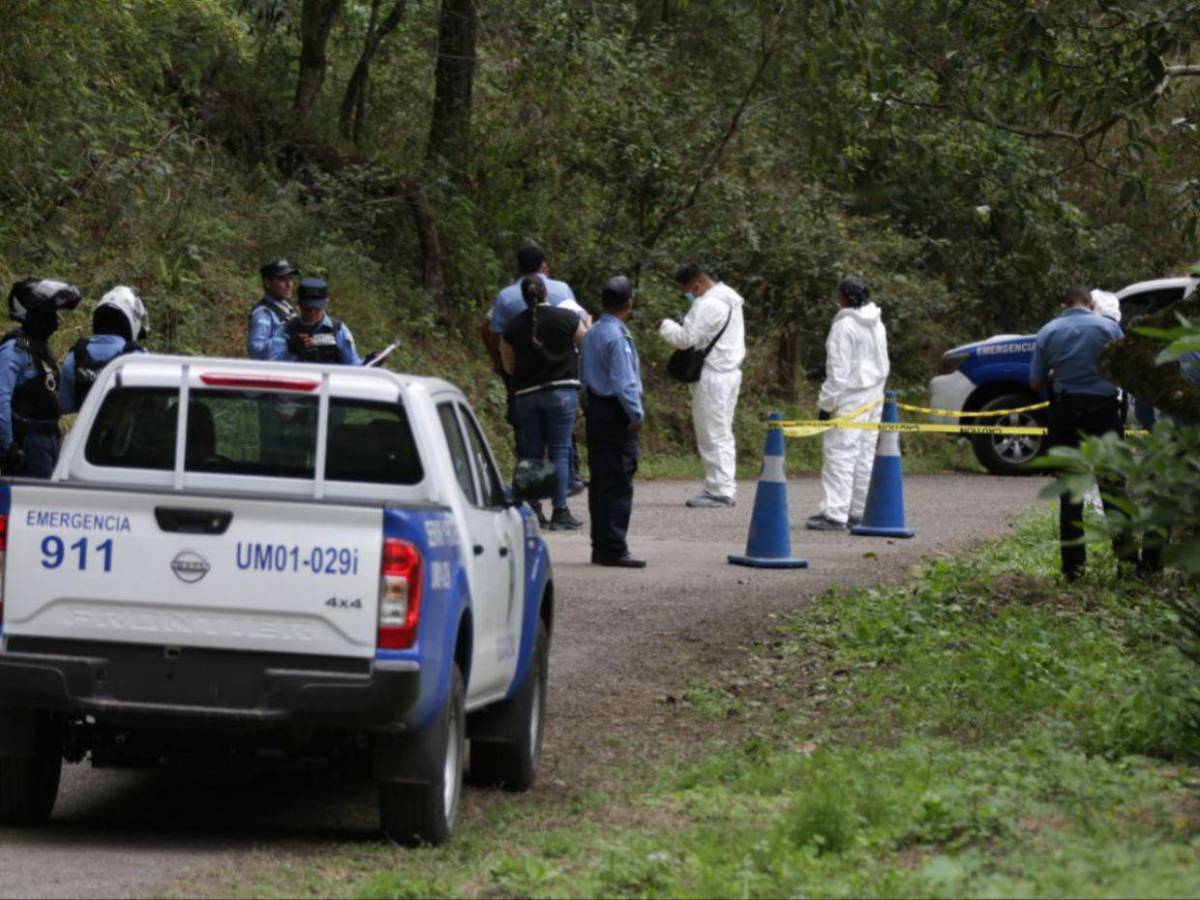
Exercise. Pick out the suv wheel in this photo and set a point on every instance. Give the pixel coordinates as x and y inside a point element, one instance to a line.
<point>508,755</point>
<point>1010,454</point>
<point>414,813</point>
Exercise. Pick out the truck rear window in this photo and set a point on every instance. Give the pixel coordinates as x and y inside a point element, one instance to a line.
<point>262,433</point>
<point>135,429</point>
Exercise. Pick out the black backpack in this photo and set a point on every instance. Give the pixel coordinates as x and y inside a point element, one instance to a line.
<point>87,367</point>
<point>686,365</point>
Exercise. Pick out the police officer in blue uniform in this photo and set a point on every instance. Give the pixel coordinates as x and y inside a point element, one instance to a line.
<point>610,371</point>
<point>29,440</point>
<point>119,322</point>
<point>313,336</point>
<point>1082,404</point>
<point>268,315</point>
<point>510,302</point>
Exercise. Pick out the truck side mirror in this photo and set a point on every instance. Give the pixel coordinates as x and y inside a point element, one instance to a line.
<point>533,481</point>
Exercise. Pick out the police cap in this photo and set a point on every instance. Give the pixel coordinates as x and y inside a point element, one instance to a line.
<point>617,291</point>
<point>278,268</point>
<point>313,293</point>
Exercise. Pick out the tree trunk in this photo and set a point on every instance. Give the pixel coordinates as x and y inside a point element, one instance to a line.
<point>354,101</point>
<point>432,267</point>
<point>316,21</point>
<point>450,130</point>
<point>791,367</point>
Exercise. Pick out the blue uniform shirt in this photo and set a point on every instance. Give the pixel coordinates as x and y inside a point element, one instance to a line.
<point>16,368</point>
<point>608,365</point>
<point>102,348</point>
<point>1068,347</point>
<point>266,321</point>
<point>345,344</point>
<point>510,304</point>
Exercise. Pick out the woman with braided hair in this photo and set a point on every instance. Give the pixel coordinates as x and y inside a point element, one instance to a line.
<point>538,353</point>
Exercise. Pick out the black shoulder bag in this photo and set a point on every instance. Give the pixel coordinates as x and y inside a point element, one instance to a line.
<point>686,365</point>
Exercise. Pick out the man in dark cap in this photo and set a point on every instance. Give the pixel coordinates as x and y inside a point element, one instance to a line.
<point>610,372</point>
<point>313,336</point>
<point>268,316</point>
<point>29,440</point>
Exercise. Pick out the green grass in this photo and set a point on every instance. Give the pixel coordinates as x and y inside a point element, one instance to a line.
<point>984,730</point>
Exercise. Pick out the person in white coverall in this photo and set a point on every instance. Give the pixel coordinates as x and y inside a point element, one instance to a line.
<point>716,310</point>
<point>856,368</point>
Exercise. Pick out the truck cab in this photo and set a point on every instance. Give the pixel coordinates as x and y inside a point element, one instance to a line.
<point>247,558</point>
<point>993,374</point>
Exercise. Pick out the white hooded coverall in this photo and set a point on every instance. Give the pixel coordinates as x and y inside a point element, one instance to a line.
<point>856,368</point>
<point>715,395</point>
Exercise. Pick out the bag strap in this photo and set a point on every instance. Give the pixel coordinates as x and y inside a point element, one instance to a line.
<point>720,333</point>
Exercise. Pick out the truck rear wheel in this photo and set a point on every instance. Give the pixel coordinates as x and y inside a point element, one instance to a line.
<point>507,756</point>
<point>29,782</point>
<point>1010,454</point>
<point>424,812</point>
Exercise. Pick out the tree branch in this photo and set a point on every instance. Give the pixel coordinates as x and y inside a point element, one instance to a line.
<point>714,157</point>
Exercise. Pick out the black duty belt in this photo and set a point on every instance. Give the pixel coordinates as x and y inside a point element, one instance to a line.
<point>42,427</point>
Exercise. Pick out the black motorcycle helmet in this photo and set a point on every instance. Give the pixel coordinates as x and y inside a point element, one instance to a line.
<point>35,303</point>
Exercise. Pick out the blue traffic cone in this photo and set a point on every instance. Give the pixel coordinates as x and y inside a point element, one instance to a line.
<point>769,545</point>
<point>884,513</point>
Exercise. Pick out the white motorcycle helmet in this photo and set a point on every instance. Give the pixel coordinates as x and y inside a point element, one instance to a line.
<point>1106,304</point>
<point>125,300</point>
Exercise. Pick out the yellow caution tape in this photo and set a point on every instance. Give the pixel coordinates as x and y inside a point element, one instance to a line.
<point>826,424</point>
<point>814,426</point>
<point>941,413</point>
<point>806,429</point>
<point>957,414</point>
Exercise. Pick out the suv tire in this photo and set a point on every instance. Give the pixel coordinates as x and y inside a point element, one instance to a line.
<point>507,756</point>
<point>424,812</point>
<point>1010,454</point>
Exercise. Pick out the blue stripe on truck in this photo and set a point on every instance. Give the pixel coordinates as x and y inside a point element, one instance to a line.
<point>435,535</point>
<point>537,575</point>
<point>5,508</point>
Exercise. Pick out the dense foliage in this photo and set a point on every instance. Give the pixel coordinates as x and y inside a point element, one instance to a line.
<point>968,158</point>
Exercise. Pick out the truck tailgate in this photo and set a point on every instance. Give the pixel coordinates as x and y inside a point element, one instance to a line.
<point>181,570</point>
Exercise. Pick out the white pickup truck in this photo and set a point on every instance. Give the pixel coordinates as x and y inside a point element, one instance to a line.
<point>237,557</point>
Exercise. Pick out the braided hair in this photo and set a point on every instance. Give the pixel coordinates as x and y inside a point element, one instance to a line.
<point>533,290</point>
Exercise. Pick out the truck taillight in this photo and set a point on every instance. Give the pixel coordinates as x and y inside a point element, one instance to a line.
<point>3,554</point>
<point>399,595</point>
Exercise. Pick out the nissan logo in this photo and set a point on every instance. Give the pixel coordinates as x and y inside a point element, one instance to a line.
<point>189,566</point>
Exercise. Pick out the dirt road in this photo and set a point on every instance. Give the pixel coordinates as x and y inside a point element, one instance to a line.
<point>623,640</point>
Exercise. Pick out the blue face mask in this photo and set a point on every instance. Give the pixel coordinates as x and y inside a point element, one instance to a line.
<point>689,297</point>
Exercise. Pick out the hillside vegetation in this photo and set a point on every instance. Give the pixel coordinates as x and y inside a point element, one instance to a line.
<point>969,159</point>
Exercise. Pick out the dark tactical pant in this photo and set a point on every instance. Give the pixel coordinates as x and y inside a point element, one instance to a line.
<point>613,461</point>
<point>1072,418</point>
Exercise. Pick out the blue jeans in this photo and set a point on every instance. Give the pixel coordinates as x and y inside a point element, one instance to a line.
<point>546,421</point>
